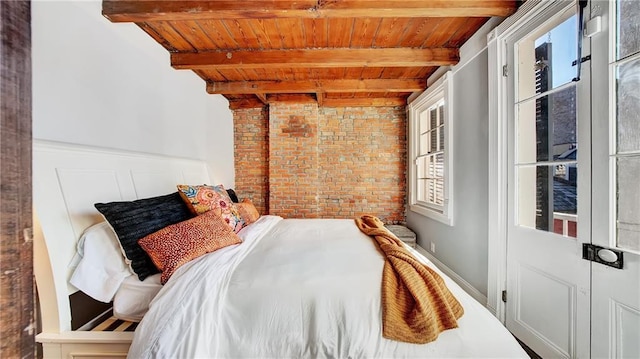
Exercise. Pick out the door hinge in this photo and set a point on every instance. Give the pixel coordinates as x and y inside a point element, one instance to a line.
<point>505,70</point>
<point>584,59</point>
<point>609,257</point>
<point>504,296</point>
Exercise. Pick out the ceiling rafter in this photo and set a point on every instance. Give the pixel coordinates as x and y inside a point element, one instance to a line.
<point>166,10</point>
<point>316,58</point>
<point>235,104</point>
<point>369,102</point>
<point>315,86</point>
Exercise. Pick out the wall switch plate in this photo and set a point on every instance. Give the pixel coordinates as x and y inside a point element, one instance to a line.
<point>433,247</point>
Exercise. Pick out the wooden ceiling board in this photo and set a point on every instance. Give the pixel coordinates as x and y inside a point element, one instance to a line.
<point>154,34</point>
<point>340,30</point>
<point>218,33</point>
<point>291,33</point>
<point>390,32</point>
<point>418,30</point>
<point>465,32</point>
<point>317,33</point>
<point>234,75</point>
<point>171,35</point>
<point>213,75</point>
<point>372,72</point>
<point>266,33</point>
<point>192,33</point>
<point>443,32</point>
<point>353,73</point>
<point>364,30</point>
<point>242,32</point>
<point>347,52</point>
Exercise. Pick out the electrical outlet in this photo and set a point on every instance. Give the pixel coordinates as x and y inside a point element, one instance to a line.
<point>433,247</point>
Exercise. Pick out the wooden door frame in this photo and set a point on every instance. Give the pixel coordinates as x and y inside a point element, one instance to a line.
<point>18,327</point>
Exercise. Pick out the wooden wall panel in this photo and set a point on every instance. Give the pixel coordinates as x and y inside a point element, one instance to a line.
<point>17,319</point>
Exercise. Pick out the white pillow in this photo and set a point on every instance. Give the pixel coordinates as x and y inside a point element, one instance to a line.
<point>132,299</point>
<point>102,266</point>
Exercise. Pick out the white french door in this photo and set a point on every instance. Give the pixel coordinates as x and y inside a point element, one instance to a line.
<point>615,293</point>
<point>573,177</point>
<point>548,282</point>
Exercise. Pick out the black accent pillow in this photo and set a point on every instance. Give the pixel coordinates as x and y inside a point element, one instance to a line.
<point>232,195</point>
<point>133,220</point>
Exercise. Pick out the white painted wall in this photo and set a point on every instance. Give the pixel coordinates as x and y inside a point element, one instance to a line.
<point>463,246</point>
<point>111,85</point>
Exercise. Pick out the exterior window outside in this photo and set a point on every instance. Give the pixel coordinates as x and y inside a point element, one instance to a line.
<point>546,148</point>
<point>430,175</point>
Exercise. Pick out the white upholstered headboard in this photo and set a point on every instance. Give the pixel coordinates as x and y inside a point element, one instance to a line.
<point>67,180</point>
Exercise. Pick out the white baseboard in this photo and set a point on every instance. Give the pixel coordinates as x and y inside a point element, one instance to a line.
<point>471,290</point>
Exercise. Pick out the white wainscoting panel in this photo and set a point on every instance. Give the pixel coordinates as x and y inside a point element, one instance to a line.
<point>537,291</point>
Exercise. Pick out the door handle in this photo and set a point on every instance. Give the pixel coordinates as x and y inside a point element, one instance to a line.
<point>607,256</point>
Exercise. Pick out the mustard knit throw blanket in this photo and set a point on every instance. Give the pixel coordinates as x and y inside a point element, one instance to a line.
<point>416,304</point>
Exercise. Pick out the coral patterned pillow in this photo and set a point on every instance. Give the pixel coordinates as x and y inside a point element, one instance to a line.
<point>201,199</point>
<point>177,244</point>
<point>248,211</point>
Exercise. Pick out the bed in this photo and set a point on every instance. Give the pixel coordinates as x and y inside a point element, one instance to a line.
<point>291,288</point>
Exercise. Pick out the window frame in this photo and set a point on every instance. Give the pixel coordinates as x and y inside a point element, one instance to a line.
<point>438,91</point>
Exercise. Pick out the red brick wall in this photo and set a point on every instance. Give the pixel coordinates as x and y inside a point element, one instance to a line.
<point>251,154</point>
<point>363,162</point>
<point>301,161</point>
<point>293,160</point>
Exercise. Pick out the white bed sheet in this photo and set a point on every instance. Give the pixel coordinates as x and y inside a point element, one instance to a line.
<point>297,288</point>
<point>132,299</point>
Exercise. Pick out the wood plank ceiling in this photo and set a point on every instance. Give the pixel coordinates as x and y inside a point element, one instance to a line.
<point>335,52</point>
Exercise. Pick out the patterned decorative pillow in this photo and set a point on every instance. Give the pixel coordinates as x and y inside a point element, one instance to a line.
<point>248,211</point>
<point>175,245</point>
<point>135,219</point>
<point>201,199</point>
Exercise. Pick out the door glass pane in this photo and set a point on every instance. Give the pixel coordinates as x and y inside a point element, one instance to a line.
<point>548,198</point>
<point>546,59</point>
<point>628,28</point>
<point>547,127</point>
<point>628,173</point>
<point>628,107</point>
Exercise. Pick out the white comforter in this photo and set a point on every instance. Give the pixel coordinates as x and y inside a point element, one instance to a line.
<point>297,288</point>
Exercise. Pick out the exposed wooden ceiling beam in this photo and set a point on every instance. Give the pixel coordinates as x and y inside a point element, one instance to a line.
<point>365,102</point>
<point>164,10</point>
<point>315,86</point>
<point>235,104</point>
<point>295,98</point>
<point>318,58</point>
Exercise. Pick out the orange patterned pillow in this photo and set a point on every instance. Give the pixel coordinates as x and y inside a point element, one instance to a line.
<point>177,244</point>
<point>201,199</point>
<point>248,211</point>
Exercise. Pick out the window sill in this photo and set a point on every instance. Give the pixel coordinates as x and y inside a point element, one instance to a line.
<point>430,213</point>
